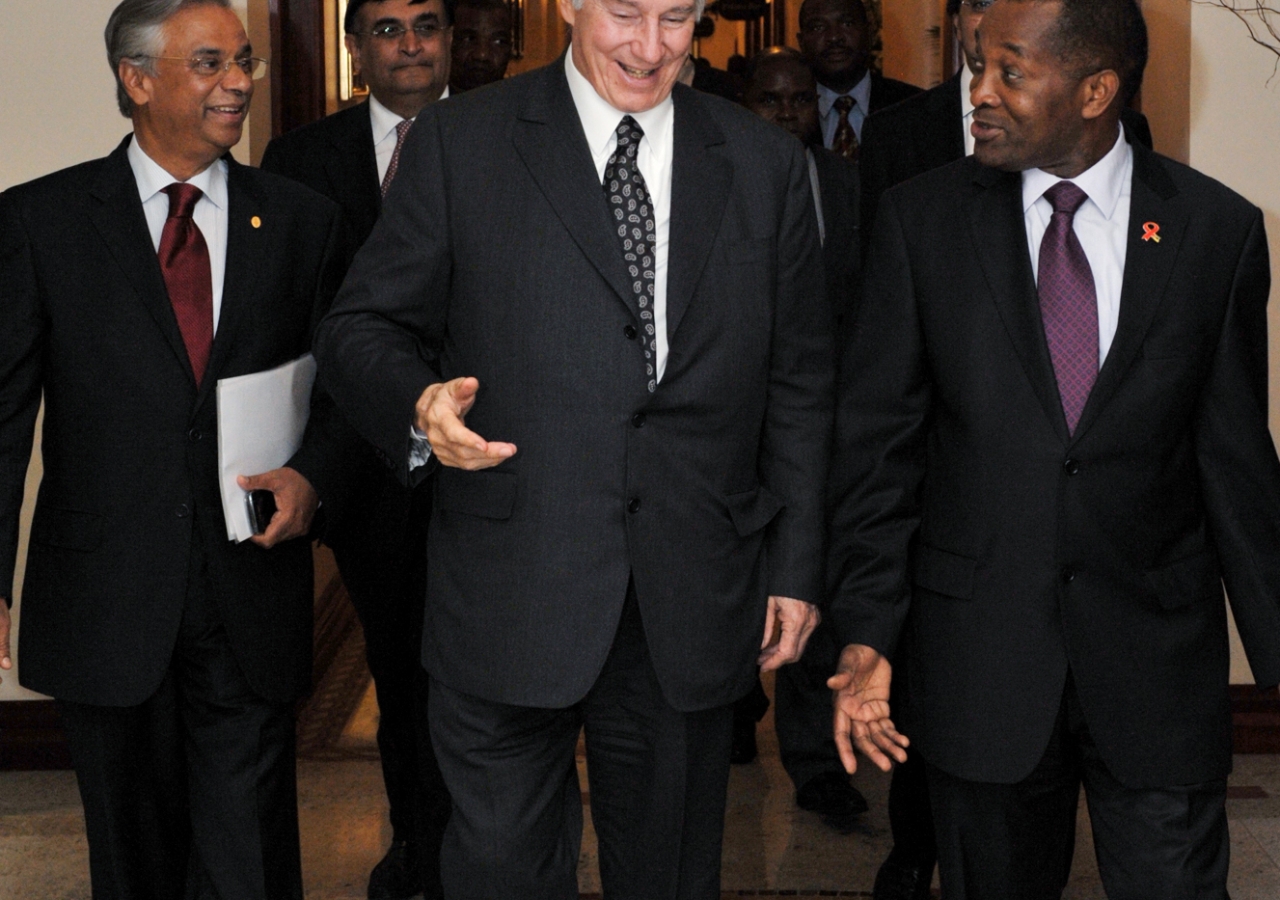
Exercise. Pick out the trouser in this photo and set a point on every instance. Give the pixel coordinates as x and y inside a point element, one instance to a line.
<point>386,582</point>
<point>1014,842</point>
<point>802,713</point>
<point>658,779</point>
<point>192,793</point>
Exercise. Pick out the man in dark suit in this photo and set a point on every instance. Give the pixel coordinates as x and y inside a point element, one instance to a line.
<point>781,89</point>
<point>175,655</point>
<point>1053,453</point>
<point>400,48</point>
<point>931,129</point>
<point>482,44</point>
<point>835,39</point>
<point>635,497</point>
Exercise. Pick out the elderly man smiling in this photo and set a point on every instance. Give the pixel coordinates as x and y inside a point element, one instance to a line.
<point>617,284</point>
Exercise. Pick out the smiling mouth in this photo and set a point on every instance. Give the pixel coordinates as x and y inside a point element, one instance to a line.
<point>227,110</point>
<point>637,73</point>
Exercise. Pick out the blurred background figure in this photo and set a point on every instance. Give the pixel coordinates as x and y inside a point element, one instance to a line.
<point>481,43</point>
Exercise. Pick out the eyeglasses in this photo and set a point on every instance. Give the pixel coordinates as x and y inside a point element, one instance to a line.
<point>213,66</point>
<point>978,6</point>
<point>391,33</point>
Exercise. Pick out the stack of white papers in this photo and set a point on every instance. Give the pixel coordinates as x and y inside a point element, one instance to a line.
<point>261,418</point>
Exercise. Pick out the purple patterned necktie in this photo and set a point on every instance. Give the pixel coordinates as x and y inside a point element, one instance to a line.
<point>402,129</point>
<point>1068,303</point>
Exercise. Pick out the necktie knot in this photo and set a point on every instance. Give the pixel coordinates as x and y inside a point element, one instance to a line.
<point>1065,197</point>
<point>182,199</point>
<point>843,104</point>
<point>402,128</point>
<point>629,134</point>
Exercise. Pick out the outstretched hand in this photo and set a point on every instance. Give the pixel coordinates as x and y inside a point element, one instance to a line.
<point>862,718</point>
<point>439,414</point>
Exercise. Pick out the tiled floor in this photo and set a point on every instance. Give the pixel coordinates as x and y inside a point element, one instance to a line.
<point>771,847</point>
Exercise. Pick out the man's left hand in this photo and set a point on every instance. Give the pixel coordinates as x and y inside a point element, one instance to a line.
<point>296,504</point>
<point>787,627</point>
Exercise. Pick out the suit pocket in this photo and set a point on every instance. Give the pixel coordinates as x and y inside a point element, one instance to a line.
<point>67,529</point>
<point>942,572</point>
<point>1187,580</point>
<point>746,252</point>
<point>489,495</point>
<point>752,510</point>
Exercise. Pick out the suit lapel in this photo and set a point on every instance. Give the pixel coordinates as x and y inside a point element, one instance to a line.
<point>1147,267</point>
<point>246,249</point>
<point>700,183</point>
<point>1000,242</point>
<point>548,137</point>
<point>122,226</point>
<point>353,168</point>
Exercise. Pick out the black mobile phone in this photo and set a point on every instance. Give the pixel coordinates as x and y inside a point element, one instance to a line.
<point>262,506</point>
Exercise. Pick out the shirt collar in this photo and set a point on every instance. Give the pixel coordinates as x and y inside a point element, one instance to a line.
<point>152,178</point>
<point>600,119</point>
<point>860,92</point>
<point>1105,181</point>
<point>384,121</point>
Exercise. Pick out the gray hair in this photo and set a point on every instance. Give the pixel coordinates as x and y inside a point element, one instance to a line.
<point>133,35</point>
<point>698,7</point>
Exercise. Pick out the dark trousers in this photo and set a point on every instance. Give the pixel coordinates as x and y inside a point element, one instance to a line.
<point>658,780</point>
<point>802,711</point>
<point>193,793</point>
<point>383,569</point>
<point>1014,842</point>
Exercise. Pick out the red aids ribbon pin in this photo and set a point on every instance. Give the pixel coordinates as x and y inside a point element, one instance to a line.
<point>1151,232</point>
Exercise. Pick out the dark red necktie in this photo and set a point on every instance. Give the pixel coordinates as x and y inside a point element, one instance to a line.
<point>184,262</point>
<point>402,130</point>
<point>1068,303</point>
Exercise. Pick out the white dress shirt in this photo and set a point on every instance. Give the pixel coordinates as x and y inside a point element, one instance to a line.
<point>599,124</point>
<point>1101,224</point>
<point>966,106</point>
<point>210,214</point>
<point>861,94</point>
<point>384,123</point>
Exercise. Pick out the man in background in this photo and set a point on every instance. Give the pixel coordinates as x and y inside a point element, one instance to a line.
<point>400,48</point>
<point>482,43</point>
<point>129,286</point>
<point>781,89</point>
<point>836,41</point>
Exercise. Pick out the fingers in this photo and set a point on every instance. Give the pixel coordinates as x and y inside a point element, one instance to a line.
<point>843,726</point>
<point>439,415</point>
<point>796,621</point>
<point>770,622</point>
<point>296,504</point>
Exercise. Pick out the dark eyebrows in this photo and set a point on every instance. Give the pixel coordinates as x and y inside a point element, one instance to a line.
<point>246,50</point>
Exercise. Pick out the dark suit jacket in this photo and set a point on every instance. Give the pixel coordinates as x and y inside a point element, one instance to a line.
<point>886,92</point>
<point>926,131</point>
<point>130,444</point>
<point>496,257</point>
<point>335,157</point>
<point>1016,551</point>
<point>842,250</point>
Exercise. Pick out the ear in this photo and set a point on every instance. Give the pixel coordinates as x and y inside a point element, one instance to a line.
<point>353,47</point>
<point>137,83</point>
<point>1101,90</point>
<point>567,12</point>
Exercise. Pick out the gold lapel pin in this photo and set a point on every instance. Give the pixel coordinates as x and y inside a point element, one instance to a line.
<point>1151,232</point>
<point>257,223</point>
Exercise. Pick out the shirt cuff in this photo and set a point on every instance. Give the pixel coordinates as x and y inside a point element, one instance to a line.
<point>419,449</point>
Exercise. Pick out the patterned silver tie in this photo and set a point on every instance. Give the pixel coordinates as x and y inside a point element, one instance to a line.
<point>632,213</point>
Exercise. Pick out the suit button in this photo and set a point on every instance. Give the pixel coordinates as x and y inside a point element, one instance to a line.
<point>633,505</point>
<point>1068,576</point>
<point>629,332</point>
<point>194,435</point>
<point>637,420</point>
<point>1071,466</point>
<point>181,511</point>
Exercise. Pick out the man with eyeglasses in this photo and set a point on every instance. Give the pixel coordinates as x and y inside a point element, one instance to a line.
<point>835,38</point>
<point>129,286</point>
<point>481,44</point>
<point>400,49</point>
